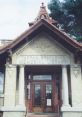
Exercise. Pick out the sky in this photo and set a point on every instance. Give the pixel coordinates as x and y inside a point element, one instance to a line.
<point>15,15</point>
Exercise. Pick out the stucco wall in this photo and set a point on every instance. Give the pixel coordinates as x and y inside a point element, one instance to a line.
<point>43,44</point>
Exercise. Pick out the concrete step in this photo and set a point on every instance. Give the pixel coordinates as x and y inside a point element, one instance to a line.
<point>42,115</point>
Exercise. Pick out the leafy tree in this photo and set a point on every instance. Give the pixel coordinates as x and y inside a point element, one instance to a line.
<point>55,7</point>
<point>68,14</point>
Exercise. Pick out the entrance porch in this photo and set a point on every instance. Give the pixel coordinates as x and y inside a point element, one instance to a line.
<point>44,88</point>
<point>41,89</point>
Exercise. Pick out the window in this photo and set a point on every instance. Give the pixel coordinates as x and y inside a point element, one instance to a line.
<point>1,81</point>
<point>37,95</point>
<point>42,77</point>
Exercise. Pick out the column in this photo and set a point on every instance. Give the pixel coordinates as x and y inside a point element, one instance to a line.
<point>65,95</point>
<point>10,86</point>
<point>21,87</point>
<point>76,85</point>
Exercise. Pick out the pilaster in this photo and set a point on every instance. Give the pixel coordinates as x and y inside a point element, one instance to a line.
<point>21,87</point>
<point>65,95</point>
<point>10,85</point>
<point>76,85</point>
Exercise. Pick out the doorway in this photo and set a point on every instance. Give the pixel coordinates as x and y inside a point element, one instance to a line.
<point>43,94</point>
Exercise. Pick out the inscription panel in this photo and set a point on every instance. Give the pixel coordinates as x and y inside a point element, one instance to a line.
<point>42,59</point>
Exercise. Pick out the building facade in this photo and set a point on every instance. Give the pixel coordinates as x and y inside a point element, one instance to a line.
<point>41,72</point>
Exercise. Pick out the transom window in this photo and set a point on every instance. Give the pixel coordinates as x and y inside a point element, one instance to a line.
<point>42,77</point>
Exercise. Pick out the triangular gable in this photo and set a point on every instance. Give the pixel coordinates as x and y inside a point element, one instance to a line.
<point>42,47</point>
<point>43,25</point>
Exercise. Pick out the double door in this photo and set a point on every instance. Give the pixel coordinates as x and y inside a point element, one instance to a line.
<point>42,96</point>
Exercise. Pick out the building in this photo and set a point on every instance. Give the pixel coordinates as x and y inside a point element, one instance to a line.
<point>41,72</point>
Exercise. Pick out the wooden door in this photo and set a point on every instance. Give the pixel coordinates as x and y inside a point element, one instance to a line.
<point>37,96</point>
<point>42,96</point>
<point>45,93</point>
<point>48,95</point>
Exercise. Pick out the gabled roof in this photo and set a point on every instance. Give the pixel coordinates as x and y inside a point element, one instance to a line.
<point>44,24</point>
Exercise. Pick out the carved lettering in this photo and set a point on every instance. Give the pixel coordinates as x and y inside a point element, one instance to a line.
<point>43,59</point>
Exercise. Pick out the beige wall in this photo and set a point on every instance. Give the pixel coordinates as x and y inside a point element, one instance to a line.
<point>43,44</point>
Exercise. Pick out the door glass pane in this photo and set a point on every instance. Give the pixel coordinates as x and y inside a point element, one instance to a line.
<point>48,94</point>
<point>37,95</point>
<point>42,77</point>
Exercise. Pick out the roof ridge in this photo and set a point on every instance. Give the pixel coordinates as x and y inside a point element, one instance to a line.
<point>43,14</point>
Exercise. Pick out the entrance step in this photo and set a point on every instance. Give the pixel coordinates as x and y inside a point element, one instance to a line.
<point>43,115</point>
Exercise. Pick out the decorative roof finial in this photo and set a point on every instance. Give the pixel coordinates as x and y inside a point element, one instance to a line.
<point>43,14</point>
<point>42,4</point>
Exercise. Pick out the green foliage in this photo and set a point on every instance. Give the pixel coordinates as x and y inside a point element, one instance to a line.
<point>56,12</point>
<point>79,38</point>
<point>69,14</point>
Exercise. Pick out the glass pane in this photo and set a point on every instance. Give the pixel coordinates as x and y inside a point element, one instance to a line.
<point>1,82</point>
<point>42,77</point>
<point>37,95</point>
<point>48,91</point>
<point>48,94</point>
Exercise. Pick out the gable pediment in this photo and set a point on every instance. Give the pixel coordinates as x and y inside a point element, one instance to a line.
<point>43,47</point>
<point>42,44</point>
